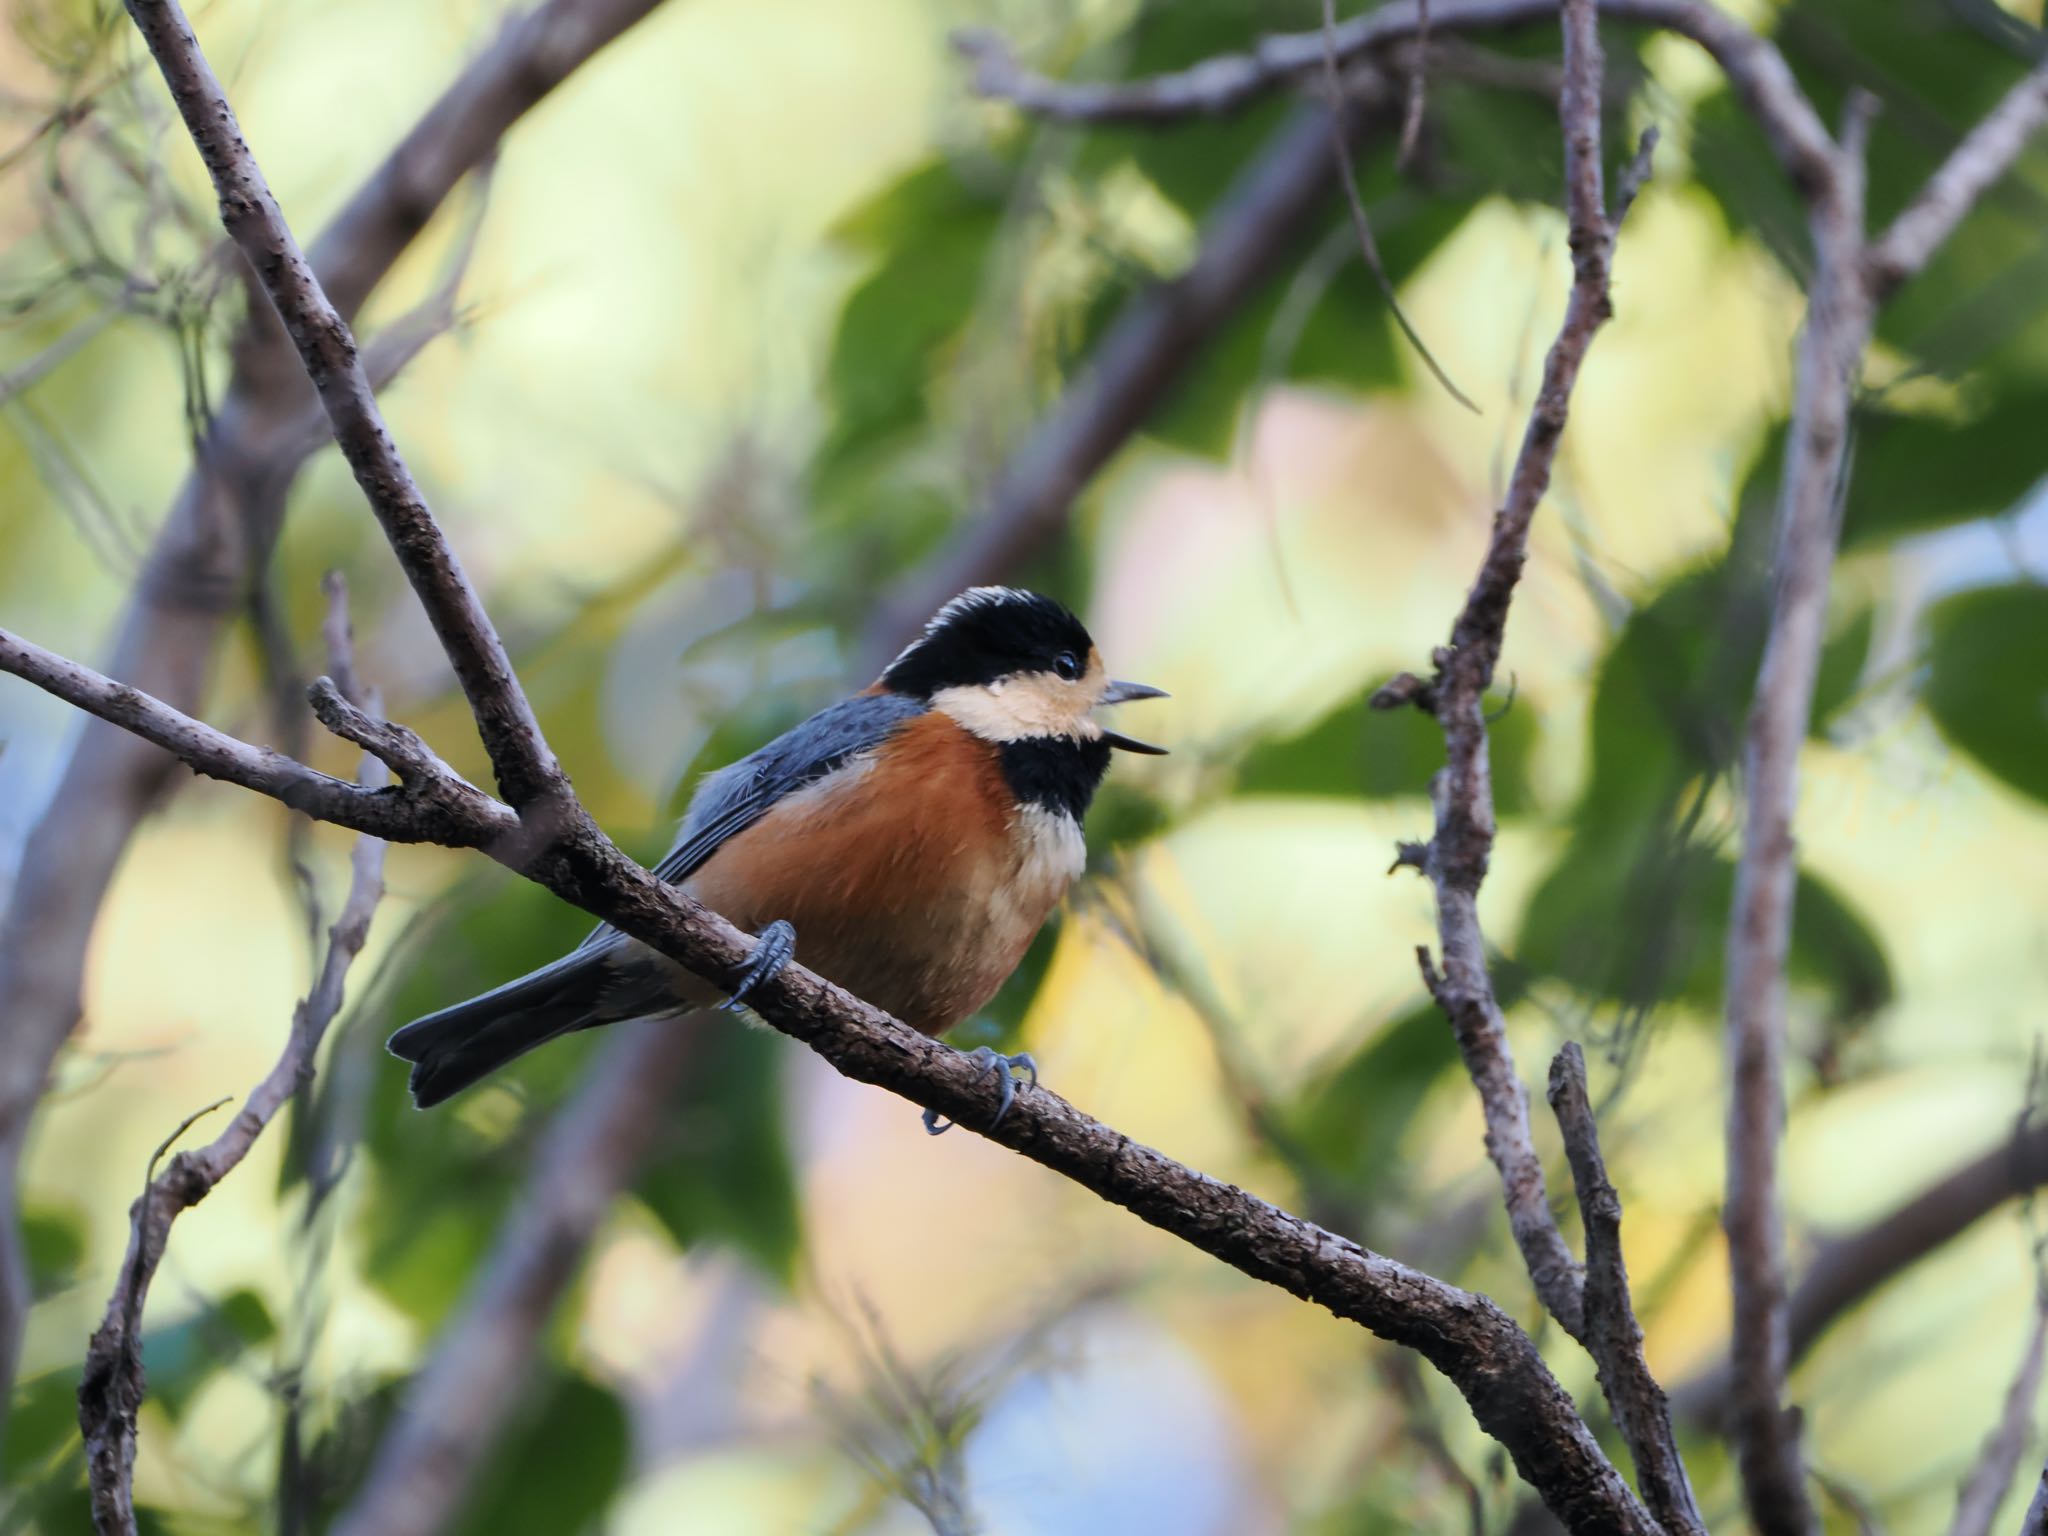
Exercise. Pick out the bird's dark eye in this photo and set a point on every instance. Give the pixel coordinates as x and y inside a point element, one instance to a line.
<point>1067,664</point>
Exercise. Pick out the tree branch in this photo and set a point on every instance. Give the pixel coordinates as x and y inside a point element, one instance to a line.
<point>1455,859</point>
<point>528,774</point>
<point>1228,82</point>
<point>110,1391</point>
<point>219,530</point>
<point>1850,1266</point>
<point>1493,1362</point>
<point>1837,329</point>
<point>1613,1336</point>
<point>424,810</point>
<point>1465,1335</point>
<point>2036,1521</point>
<point>1986,153</point>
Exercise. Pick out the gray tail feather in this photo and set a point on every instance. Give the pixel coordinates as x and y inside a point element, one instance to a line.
<point>458,1046</point>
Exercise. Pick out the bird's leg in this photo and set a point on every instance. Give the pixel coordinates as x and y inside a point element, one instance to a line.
<point>774,948</point>
<point>992,1060</point>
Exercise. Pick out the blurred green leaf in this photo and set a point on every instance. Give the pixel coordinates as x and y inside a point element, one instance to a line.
<point>1641,923</point>
<point>933,233</point>
<point>446,1178</point>
<point>55,1239</point>
<point>558,1469</point>
<point>1122,817</point>
<point>1843,656</point>
<point>179,1359</point>
<point>41,1420</point>
<point>724,1172</point>
<point>1674,690</point>
<point>1987,687</point>
<point>1192,161</point>
<point>1382,753</point>
<point>1914,473</point>
<point>1353,1119</point>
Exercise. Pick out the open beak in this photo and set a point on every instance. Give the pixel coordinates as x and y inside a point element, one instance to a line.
<point>1125,693</point>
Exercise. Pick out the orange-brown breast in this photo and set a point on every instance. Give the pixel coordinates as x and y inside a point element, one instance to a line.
<point>910,877</point>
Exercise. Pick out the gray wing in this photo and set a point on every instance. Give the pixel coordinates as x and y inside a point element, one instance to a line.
<point>735,797</point>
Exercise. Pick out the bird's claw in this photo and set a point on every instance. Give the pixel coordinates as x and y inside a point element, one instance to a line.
<point>774,948</point>
<point>992,1060</point>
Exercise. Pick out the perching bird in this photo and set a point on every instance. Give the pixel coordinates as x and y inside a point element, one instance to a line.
<point>907,843</point>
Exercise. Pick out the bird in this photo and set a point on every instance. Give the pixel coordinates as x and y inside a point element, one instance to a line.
<point>907,843</point>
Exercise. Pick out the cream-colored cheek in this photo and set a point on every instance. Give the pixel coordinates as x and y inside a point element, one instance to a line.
<point>1021,707</point>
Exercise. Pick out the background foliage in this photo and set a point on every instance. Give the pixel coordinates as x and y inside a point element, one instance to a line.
<point>759,307</point>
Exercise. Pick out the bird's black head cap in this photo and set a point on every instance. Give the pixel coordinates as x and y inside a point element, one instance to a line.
<point>987,633</point>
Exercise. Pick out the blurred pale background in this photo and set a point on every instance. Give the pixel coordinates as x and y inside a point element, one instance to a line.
<point>618,437</point>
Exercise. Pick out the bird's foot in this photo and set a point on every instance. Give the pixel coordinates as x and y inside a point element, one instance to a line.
<point>774,948</point>
<point>992,1060</point>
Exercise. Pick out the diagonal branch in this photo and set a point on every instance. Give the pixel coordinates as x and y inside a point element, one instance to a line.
<point>218,532</point>
<point>1491,1361</point>
<point>1992,1474</point>
<point>110,1391</point>
<point>527,771</point>
<point>1753,65</point>
<point>421,811</point>
<point>1986,153</point>
<point>1613,1336</point>
<point>1455,859</point>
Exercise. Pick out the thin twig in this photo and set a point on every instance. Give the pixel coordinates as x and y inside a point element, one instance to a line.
<point>1753,65</point>
<point>111,1390</point>
<point>424,810</point>
<point>1418,86</point>
<point>1986,153</point>
<point>1991,1475</point>
<point>1361,226</point>
<point>1613,1335</point>
<point>1455,859</point>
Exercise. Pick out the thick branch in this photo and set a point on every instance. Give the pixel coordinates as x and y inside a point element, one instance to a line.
<point>429,811</point>
<point>1985,154</point>
<point>1850,1266</point>
<point>1759,929</point>
<point>111,1388</point>
<point>218,531</point>
<point>1486,1356</point>
<point>527,771</point>
<point>1613,1336</point>
<point>1752,64</point>
<point>1455,859</point>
